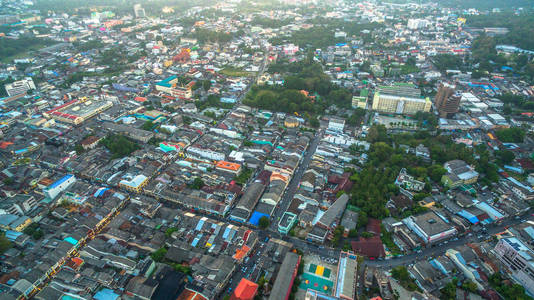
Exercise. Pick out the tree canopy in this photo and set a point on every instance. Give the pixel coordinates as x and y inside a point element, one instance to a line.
<point>510,135</point>
<point>5,244</point>
<point>264,222</point>
<point>119,145</point>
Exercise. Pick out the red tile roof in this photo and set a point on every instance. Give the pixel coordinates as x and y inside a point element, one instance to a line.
<point>370,247</point>
<point>245,290</point>
<point>373,226</point>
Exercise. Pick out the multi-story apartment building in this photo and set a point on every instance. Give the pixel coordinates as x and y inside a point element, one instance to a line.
<point>400,99</point>
<point>519,259</point>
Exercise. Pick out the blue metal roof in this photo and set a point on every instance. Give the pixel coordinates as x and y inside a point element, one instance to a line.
<point>255,218</point>
<point>57,183</point>
<point>71,240</point>
<point>469,216</point>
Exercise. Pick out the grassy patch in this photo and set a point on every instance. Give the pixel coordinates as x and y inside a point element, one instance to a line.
<point>235,72</point>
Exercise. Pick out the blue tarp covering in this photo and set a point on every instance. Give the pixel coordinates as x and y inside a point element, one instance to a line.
<point>516,182</point>
<point>200,224</point>
<point>57,183</point>
<point>460,258</point>
<point>21,151</point>
<point>196,240</point>
<point>165,82</point>
<point>100,192</point>
<point>492,212</point>
<point>71,240</point>
<point>255,218</point>
<point>510,146</point>
<point>469,216</point>
<point>226,232</point>
<point>106,294</point>
<point>228,100</point>
<point>518,170</point>
<point>12,235</point>
<point>436,264</point>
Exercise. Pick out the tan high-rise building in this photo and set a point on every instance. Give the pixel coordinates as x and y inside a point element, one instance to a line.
<point>402,99</point>
<point>447,100</point>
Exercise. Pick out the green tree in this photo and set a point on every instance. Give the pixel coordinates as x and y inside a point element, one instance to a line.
<point>264,222</point>
<point>353,233</point>
<point>470,286</point>
<point>377,133</point>
<point>159,254</point>
<point>505,156</point>
<point>447,61</point>
<point>148,125</point>
<point>119,145</point>
<point>5,244</point>
<point>362,220</point>
<point>448,292</point>
<point>510,135</point>
<point>314,122</point>
<point>206,85</point>
<point>170,231</point>
<point>435,172</point>
<point>506,289</point>
<point>197,184</point>
<point>79,149</point>
<point>402,275</point>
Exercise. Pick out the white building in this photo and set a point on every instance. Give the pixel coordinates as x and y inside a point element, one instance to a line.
<point>20,87</point>
<point>415,24</point>
<point>519,259</point>
<point>336,125</point>
<point>205,153</point>
<point>53,190</point>
<point>430,227</point>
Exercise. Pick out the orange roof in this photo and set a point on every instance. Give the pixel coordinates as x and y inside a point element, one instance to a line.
<point>74,263</point>
<point>279,176</point>
<point>3,145</point>
<point>140,99</point>
<point>241,252</point>
<point>78,261</point>
<point>228,165</point>
<point>90,140</point>
<point>45,181</point>
<point>188,294</point>
<point>245,290</point>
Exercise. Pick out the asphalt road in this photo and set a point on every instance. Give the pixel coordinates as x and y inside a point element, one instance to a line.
<point>294,184</point>
<point>441,248</point>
